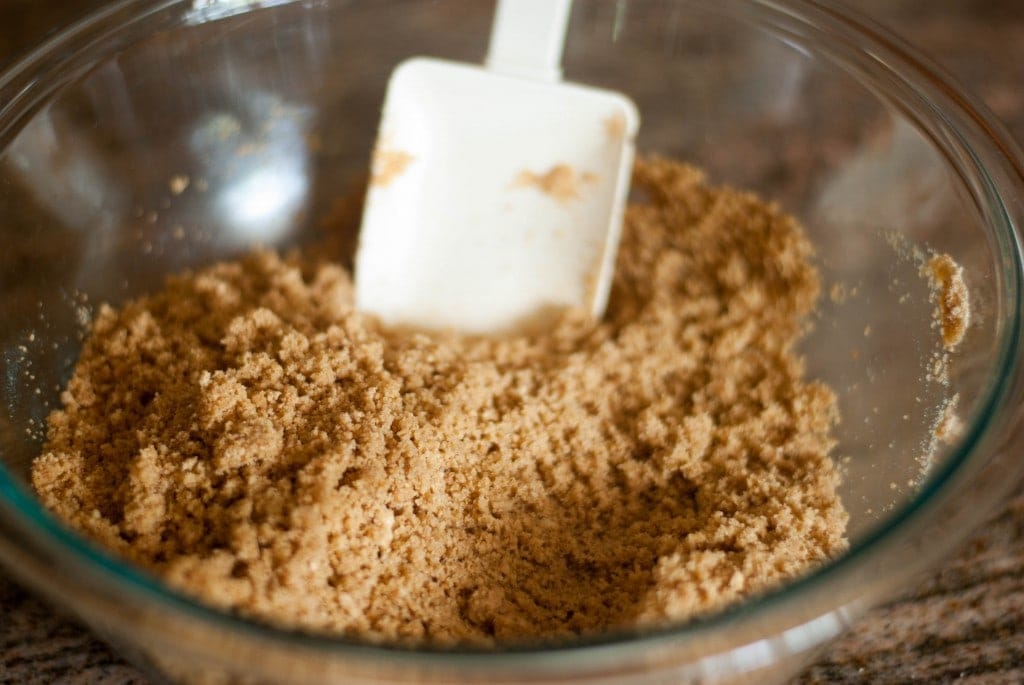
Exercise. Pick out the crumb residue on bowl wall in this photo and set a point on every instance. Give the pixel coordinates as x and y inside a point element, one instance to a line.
<point>952,316</point>
<point>251,438</point>
<point>949,426</point>
<point>948,288</point>
<point>953,311</point>
<point>950,320</point>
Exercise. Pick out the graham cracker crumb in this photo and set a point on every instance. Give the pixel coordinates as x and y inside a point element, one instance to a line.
<point>949,427</point>
<point>953,310</point>
<point>389,165</point>
<point>248,436</point>
<point>615,127</point>
<point>838,293</point>
<point>178,184</point>
<point>560,182</point>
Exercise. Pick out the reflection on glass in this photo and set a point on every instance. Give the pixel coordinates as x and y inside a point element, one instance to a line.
<point>60,166</point>
<point>258,163</point>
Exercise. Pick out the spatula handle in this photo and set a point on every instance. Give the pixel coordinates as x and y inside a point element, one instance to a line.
<point>527,38</point>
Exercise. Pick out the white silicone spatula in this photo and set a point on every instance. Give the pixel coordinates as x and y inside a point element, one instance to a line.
<point>497,192</point>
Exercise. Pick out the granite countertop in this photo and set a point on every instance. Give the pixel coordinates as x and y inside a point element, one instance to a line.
<point>965,621</point>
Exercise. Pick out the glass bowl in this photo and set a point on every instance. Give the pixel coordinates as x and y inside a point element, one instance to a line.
<point>269,110</point>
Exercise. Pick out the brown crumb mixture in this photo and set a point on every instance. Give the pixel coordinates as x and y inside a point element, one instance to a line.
<point>249,437</point>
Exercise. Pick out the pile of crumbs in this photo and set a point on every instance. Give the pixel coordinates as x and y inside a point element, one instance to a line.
<point>249,437</point>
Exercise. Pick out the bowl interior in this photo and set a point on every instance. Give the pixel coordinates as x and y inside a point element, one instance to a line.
<point>201,129</point>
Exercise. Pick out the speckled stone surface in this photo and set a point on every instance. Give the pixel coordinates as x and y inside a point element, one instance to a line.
<point>964,622</point>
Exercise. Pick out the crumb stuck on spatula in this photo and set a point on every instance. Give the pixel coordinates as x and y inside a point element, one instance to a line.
<point>953,311</point>
<point>389,165</point>
<point>560,182</point>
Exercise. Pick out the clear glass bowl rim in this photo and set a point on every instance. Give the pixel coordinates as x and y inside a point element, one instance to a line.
<point>43,71</point>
